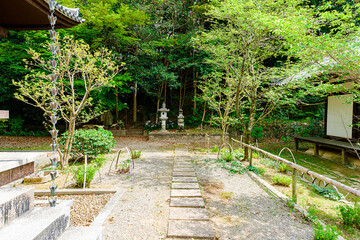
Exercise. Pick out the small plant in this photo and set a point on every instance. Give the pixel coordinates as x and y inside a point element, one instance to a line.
<point>135,154</point>
<point>283,168</point>
<point>281,180</point>
<point>123,168</point>
<point>312,212</point>
<point>328,192</point>
<point>99,161</point>
<point>327,232</point>
<point>285,139</point>
<point>238,156</point>
<point>227,156</point>
<point>258,171</point>
<point>78,175</point>
<point>227,195</point>
<point>215,149</point>
<point>350,215</point>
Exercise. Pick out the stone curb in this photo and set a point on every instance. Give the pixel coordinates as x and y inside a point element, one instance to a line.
<point>75,191</point>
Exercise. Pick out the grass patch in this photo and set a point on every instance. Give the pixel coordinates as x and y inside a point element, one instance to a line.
<point>281,180</point>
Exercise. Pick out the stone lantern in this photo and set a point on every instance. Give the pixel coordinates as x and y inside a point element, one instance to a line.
<point>163,117</point>
<point>181,124</point>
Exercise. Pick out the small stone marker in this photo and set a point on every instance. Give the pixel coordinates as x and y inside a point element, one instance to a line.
<point>4,114</point>
<point>199,214</point>
<point>184,179</point>
<point>187,202</point>
<point>190,229</point>
<point>185,185</point>
<point>185,193</point>
<point>184,174</point>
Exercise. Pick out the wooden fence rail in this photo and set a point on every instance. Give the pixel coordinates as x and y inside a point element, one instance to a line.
<point>301,169</point>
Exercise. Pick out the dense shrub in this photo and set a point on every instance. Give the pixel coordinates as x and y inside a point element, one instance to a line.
<point>350,215</point>
<point>90,142</point>
<point>282,180</point>
<point>79,173</point>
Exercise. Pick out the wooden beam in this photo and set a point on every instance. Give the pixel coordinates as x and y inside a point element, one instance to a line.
<point>3,32</point>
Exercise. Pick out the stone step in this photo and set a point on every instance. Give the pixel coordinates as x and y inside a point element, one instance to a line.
<point>83,233</point>
<point>187,202</point>
<point>39,223</point>
<point>184,174</point>
<point>185,193</point>
<point>185,185</point>
<point>14,202</point>
<point>190,229</point>
<point>184,179</point>
<point>188,213</point>
<point>183,169</point>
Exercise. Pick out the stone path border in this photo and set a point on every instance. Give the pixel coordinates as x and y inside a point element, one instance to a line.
<point>188,218</point>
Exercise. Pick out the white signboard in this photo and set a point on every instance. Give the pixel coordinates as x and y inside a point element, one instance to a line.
<point>4,114</point>
<point>339,116</point>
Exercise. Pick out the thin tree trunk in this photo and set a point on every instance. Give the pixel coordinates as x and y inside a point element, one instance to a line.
<point>117,105</point>
<point>68,144</point>
<point>135,105</point>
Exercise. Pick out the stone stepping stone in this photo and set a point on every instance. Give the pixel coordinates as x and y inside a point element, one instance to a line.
<point>190,229</point>
<point>183,169</point>
<point>184,179</point>
<point>183,166</point>
<point>185,185</point>
<point>185,193</point>
<point>198,214</point>
<point>184,174</point>
<point>187,202</point>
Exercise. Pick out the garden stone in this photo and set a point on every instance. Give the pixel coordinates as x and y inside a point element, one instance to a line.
<point>184,174</point>
<point>187,202</point>
<point>185,193</point>
<point>185,185</point>
<point>183,213</point>
<point>190,229</point>
<point>184,179</point>
<point>178,169</point>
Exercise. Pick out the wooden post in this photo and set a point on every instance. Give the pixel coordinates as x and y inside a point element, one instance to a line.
<point>316,149</point>
<point>294,180</point>
<point>343,156</point>
<point>231,142</point>
<point>250,160</point>
<point>4,114</point>
<point>296,144</point>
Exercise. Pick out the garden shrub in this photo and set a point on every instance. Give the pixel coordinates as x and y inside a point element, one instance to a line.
<point>282,180</point>
<point>78,174</point>
<point>350,215</point>
<point>283,168</point>
<point>215,149</point>
<point>90,142</point>
<point>327,192</point>
<point>227,156</point>
<point>135,154</point>
<point>99,160</point>
<point>258,133</point>
<point>328,232</point>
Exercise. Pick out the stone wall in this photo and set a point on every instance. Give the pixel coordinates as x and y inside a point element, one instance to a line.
<point>183,137</point>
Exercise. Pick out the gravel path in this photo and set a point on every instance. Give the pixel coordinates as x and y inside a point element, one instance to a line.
<point>143,211</point>
<point>240,209</point>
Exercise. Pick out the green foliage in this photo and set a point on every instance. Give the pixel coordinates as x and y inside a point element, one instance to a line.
<point>79,172</point>
<point>258,132</point>
<point>234,167</point>
<point>90,142</point>
<point>328,232</point>
<point>350,215</point>
<point>283,168</point>
<point>327,192</point>
<point>99,161</point>
<point>281,180</point>
<point>135,154</point>
<point>256,170</point>
<point>14,127</point>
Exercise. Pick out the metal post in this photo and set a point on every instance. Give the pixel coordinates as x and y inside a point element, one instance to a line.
<point>250,160</point>
<point>294,180</point>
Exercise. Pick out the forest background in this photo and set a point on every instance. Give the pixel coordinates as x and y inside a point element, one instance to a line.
<point>173,53</point>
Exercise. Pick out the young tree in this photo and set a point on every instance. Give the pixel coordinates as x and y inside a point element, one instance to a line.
<point>219,93</point>
<point>240,42</point>
<point>80,72</point>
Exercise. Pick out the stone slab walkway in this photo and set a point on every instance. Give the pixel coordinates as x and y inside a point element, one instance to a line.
<point>188,218</point>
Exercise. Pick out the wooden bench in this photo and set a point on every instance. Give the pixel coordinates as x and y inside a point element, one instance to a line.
<point>324,142</point>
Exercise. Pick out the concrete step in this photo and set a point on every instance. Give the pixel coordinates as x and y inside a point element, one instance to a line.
<point>185,185</point>
<point>190,229</point>
<point>187,202</point>
<point>188,213</point>
<point>184,174</point>
<point>185,193</point>
<point>39,223</point>
<point>14,202</point>
<point>83,233</point>
<point>184,179</point>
